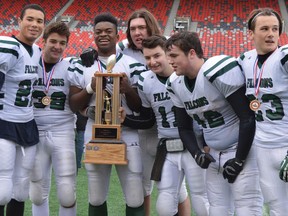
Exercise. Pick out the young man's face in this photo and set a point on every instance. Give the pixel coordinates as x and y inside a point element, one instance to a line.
<point>54,47</point>
<point>178,60</point>
<point>105,37</point>
<point>157,61</point>
<point>266,34</point>
<point>138,31</point>
<point>31,26</point>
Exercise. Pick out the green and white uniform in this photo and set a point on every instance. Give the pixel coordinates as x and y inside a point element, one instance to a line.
<point>18,130</point>
<point>20,69</point>
<point>56,149</point>
<point>205,101</point>
<point>271,138</point>
<point>123,47</point>
<point>98,175</point>
<point>147,138</point>
<point>153,93</point>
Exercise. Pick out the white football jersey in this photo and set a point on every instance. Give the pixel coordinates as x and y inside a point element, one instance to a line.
<point>122,47</point>
<point>20,69</point>
<point>153,93</point>
<point>205,101</point>
<point>80,76</point>
<point>272,116</point>
<point>57,115</point>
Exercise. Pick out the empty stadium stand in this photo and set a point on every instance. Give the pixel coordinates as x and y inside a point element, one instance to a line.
<point>221,24</point>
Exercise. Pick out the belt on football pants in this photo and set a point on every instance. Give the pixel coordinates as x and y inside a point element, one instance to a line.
<point>164,146</point>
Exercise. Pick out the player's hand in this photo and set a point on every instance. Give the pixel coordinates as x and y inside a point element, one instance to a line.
<point>283,174</point>
<point>121,114</point>
<point>88,56</point>
<point>125,86</point>
<point>90,112</point>
<point>203,159</point>
<point>93,82</point>
<point>232,168</point>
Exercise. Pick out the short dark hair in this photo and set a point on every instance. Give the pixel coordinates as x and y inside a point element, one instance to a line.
<point>186,41</point>
<point>263,12</point>
<point>106,17</point>
<point>57,27</point>
<point>154,41</point>
<point>34,7</point>
<point>151,24</point>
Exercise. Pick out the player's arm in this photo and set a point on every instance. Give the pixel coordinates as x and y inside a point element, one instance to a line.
<point>79,98</point>
<point>185,128</point>
<point>132,97</point>
<point>186,132</point>
<point>145,119</point>
<point>240,105</point>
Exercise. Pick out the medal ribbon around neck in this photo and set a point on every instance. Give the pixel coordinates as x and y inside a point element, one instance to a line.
<point>99,66</point>
<point>257,80</point>
<point>46,80</point>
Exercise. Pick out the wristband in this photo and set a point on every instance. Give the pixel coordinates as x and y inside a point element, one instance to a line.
<point>89,89</point>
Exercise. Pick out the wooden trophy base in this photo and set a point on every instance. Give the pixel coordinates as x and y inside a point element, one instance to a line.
<point>105,153</point>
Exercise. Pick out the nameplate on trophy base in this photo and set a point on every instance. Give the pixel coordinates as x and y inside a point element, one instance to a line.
<point>106,132</point>
<point>105,153</point>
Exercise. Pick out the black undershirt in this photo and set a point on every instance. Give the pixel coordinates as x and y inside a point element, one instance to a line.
<point>48,66</point>
<point>263,58</point>
<point>27,47</point>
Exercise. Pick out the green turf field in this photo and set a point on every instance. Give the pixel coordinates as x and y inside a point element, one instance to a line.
<point>116,205</point>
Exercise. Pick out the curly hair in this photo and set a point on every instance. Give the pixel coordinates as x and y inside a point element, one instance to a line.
<point>57,27</point>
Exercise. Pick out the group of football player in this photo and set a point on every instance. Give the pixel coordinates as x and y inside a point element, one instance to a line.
<point>220,122</point>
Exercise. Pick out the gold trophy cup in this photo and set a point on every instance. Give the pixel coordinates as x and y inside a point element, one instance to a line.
<point>106,146</point>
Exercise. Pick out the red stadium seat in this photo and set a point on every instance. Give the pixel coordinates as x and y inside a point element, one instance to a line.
<point>221,26</point>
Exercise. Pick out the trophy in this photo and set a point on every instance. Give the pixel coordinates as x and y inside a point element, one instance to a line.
<point>106,146</point>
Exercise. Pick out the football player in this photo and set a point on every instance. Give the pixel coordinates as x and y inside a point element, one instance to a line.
<point>212,93</point>
<point>82,95</point>
<point>265,69</point>
<point>55,122</point>
<point>18,131</point>
<point>172,161</point>
<point>142,24</point>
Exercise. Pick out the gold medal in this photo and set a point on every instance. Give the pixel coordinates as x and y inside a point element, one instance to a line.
<point>46,100</point>
<point>254,105</point>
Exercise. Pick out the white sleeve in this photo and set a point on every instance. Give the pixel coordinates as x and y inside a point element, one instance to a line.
<point>284,57</point>
<point>76,74</point>
<point>224,73</point>
<point>171,87</point>
<point>10,54</point>
<point>142,95</point>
